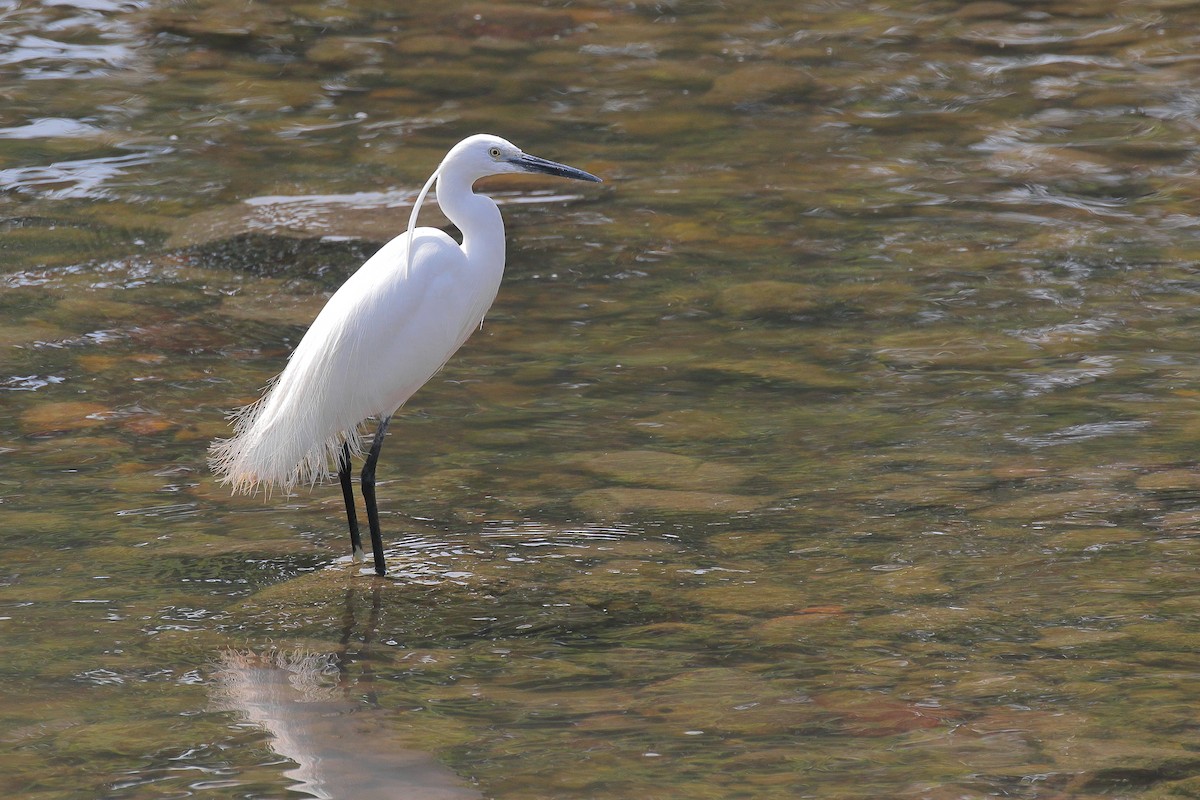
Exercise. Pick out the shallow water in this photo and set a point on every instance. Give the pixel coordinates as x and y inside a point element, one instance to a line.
<point>841,445</point>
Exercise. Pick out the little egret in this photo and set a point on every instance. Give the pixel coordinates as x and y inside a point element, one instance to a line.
<point>388,329</point>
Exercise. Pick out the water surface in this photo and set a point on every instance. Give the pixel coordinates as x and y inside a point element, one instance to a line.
<point>841,445</point>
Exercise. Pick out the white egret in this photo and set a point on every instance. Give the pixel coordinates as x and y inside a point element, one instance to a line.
<point>388,329</point>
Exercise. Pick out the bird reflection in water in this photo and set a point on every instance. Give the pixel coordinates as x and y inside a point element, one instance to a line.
<point>342,748</point>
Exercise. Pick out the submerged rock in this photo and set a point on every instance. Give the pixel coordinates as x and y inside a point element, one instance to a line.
<point>664,470</point>
<point>760,83</point>
<point>222,23</point>
<point>341,52</point>
<point>517,22</point>
<point>722,699</point>
<point>1170,480</point>
<point>70,415</point>
<point>769,299</point>
<point>616,502</point>
<point>691,425</point>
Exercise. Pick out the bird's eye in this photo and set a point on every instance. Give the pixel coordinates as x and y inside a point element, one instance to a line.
<point>494,152</point>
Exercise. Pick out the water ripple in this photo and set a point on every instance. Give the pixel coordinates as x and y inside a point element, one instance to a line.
<point>1080,433</point>
<point>50,128</point>
<point>537,534</point>
<point>1035,194</point>
<point>29,383</point>
<point>82,179</point>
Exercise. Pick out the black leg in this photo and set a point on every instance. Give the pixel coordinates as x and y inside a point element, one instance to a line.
<point>368,490</point>
<point>356,548</point>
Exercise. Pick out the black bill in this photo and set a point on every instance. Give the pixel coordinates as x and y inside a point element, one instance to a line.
<point>535,164</point>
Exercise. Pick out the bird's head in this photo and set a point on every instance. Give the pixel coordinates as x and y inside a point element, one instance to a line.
<point>483,154</point>
<point>479,156</point>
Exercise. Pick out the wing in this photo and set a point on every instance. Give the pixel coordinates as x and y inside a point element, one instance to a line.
<point>381,336</point>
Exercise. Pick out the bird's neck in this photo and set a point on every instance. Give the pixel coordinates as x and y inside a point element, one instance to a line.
<point>476,215</point>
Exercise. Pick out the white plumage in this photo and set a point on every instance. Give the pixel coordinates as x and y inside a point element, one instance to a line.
<point>388,329</point>
<point>381,337</point>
